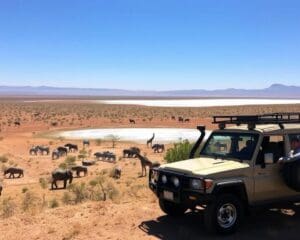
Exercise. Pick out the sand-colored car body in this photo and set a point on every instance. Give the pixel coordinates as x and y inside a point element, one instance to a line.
<point>254,181</point>
<point>262,182</point>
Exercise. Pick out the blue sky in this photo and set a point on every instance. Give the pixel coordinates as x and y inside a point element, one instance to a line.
<point>143,44</point>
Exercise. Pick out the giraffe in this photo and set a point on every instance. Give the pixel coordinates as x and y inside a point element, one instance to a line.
<point>145,162</point>
<point>150,140</point>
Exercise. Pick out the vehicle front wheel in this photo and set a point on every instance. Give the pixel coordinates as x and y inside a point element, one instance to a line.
<point>224,215</point>
<point>172,209</point>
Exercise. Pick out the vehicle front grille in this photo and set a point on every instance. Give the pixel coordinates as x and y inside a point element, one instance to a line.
<point>183,180</point>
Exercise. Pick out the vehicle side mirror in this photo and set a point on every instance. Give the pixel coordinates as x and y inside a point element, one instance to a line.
<point>269,158</point>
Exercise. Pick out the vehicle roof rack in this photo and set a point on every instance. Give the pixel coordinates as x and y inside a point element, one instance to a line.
<point>253,120</point>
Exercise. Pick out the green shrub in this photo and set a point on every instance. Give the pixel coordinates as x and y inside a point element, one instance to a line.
<point>180,151</point>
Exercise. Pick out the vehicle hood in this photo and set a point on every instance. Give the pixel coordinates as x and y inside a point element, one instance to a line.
<point>204,166</point>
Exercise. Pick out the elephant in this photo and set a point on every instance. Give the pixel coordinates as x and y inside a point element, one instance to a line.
<point>131,153</point>
<point>12,171</point>
<point>127,153</point>
<point>88,162</point>
<point>39,149</point>
<point>158,148</point>
<point>61,175</point>
<point>33,151</point>
<point>111,157</point>
<point>86,142</point>
<point>43,149</point>
<point>79,169</point>
<point>62,151</point>
<point>101,155</point>
<point>55,154</point>
<point>72,147</point>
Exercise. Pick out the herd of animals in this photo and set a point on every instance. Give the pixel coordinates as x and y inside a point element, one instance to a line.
<point>180,119</point>
<point>17,122</point>
<point>66,175</point>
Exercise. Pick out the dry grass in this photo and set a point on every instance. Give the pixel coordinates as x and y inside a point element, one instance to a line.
<point>7,207</point>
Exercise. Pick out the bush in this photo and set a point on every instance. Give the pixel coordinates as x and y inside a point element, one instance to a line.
<point>79,191</point>
<point>43,183</point>
<point>29,201</point>
<point>63,166</point>
<point>83,152</point>
<point>113,192</point>
<point>53,203</point>
<point>81,156</point>
<point>3,159</point>
<point>66,198</point>
<point>24,189</point>
<point>7,207</point>
<point>70,161</point>
<point>98,191</point>
<point>180,151</point>
<point>98,141</point>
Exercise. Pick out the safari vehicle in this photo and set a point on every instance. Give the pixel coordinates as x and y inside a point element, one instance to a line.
<point>238,169</point>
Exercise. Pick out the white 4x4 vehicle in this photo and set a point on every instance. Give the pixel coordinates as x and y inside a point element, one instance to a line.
<point>238,168</point>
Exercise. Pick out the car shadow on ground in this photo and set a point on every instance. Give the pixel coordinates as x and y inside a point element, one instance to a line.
<point>260,224</point>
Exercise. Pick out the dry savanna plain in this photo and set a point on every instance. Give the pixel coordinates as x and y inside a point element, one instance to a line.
<point>98,206</point>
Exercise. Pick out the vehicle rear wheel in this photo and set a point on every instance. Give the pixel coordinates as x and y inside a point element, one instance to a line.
<point>224,215</point>
<point>172,209</point>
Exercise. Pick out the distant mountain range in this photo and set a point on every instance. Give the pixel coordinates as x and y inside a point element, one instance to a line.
<point>274,91</point>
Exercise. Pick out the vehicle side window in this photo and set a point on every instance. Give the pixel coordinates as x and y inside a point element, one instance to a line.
<point>237,145</point>
<point>271,144</point>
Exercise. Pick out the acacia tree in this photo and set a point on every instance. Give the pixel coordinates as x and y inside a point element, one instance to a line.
<point>114,139</point>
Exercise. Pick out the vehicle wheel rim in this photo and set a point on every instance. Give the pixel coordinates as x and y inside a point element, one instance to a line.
<point>227,215</point>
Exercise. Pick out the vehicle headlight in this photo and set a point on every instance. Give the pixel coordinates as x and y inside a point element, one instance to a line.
<point>164,179</point>
<point>200,184</point>
<point>196,184</point>
<point>176,181</point>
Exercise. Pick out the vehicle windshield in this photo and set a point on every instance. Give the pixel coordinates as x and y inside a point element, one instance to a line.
<point>236,146</point>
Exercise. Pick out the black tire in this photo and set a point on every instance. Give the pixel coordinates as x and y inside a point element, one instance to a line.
<point>228,204</point>
<point>172,209</point>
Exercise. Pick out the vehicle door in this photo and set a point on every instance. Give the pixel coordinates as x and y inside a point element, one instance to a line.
<point>268,182</point>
